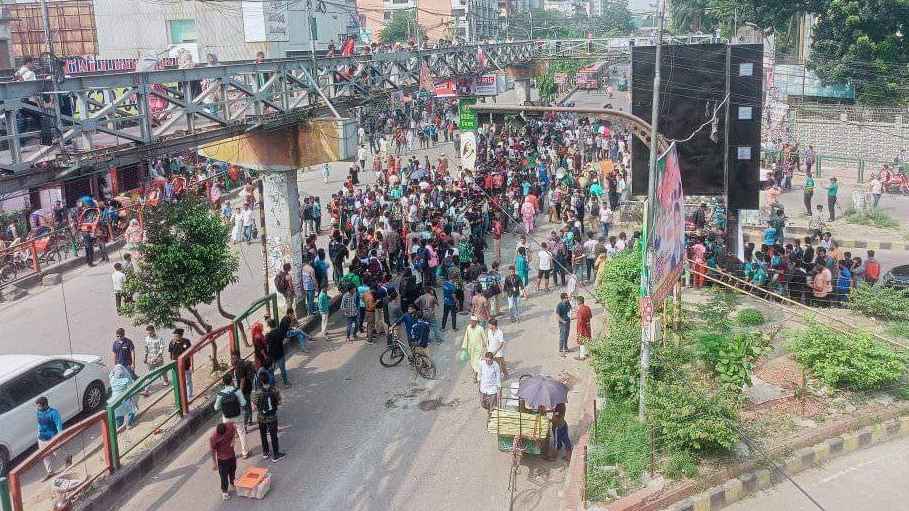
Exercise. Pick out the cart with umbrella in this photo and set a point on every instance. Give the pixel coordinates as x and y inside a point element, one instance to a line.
<point>520,420</point>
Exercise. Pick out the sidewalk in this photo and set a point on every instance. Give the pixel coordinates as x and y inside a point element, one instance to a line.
<point>363,437</point>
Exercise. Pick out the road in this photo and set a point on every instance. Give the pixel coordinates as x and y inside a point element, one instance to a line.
<point>873,478</point>
<point>363,437</point>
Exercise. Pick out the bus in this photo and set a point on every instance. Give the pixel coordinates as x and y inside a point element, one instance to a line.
<point>591,77</point>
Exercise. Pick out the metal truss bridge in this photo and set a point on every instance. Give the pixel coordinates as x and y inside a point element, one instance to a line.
<point>124,118</point>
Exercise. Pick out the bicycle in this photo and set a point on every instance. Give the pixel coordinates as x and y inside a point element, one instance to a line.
<point>398,350</point>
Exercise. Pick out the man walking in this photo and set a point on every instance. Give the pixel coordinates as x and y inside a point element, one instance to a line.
<point>583,331</point>
<point>832,190</point>
<point>563,314</point>
<point>449,303</point>
<point>231,402</point>
<point>154,354</point>
<point>50,424</point>
<point>490,377</point>
<point>223,456</point>
<point>249,222</point>
<point>179,344</point>
<point>809,192</point>
<point>284,284</point>
<point>513,286</point>
<point>118,278</point>
<point>544,267</point>
<point>267,400</point>
<point>243,373</point>
<point>274,341</point>
<point>124,351</point>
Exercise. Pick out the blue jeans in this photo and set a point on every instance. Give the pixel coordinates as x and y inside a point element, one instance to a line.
<point>513,302</point>
<point>434,329</point>
<point>310,301</point>
<point>300,336</point>
<point>605,229</point>
<point>247,233</point>
<point>351,326</point>
<point>281,364</point>
<point>564,329</point>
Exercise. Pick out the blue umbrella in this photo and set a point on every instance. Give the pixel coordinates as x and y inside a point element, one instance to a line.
<point>543,391</point>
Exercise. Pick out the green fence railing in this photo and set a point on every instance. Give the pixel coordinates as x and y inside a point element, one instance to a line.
<point>136,388</point>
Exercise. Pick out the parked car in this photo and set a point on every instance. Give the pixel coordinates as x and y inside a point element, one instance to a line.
<point>72,384</point>
<point>897,277</point>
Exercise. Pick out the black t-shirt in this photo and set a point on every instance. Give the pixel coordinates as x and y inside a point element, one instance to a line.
<point>563,309</point>
<point>178,346</point>
<point>275,342</point>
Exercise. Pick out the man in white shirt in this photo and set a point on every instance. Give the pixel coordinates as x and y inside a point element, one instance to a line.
<point>362,154</point>
<point>249,221</point>
<point>495,344</point>
<point>544,267</point>
<point>119,279</point>
<point>490,382</point>
<point>590,254</point>
<point>26,73</point>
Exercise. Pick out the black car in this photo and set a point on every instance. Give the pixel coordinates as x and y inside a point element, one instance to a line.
<point>898,277</point>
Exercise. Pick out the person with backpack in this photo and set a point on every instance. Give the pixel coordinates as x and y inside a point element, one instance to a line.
<point>231,402</point>
<point>244,375</point>
<point>284,285</point>
<point>267,401</point>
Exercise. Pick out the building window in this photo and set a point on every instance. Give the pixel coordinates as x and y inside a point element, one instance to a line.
<point>182,31</point>
<point>386,15</point>
<point>457,13</point>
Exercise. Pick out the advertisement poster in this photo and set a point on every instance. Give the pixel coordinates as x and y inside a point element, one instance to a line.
<point>667,241</point>
<point>469,150</point>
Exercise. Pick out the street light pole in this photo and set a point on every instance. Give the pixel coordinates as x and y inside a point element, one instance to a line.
<point>647,328</point>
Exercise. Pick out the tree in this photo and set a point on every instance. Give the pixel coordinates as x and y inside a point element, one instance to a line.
<point>862,42</point>
<point>185,262</point>
<point>401,28</point>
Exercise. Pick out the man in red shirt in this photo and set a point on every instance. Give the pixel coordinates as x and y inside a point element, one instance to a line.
<point>583,317</point>
<point>224,459</point>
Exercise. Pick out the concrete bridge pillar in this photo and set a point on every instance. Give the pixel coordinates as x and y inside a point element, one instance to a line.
<point>283,231</point>
<point>522,88</point>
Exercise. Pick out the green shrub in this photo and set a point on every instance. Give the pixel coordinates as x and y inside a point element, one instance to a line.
<point>619,287</point>
<point>749,317</point>
<point>899,329</point>
<point>681,464</point>
<point>880,302</point>
<point>855,361</point>
<point>688,416</point>
<point>731,356</point>
<point>872,217</point>
<point>615,358</point>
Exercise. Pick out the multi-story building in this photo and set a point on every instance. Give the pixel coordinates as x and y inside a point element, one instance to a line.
<point>468,20</point>
<point>229,30</point>
<point>566,7</point>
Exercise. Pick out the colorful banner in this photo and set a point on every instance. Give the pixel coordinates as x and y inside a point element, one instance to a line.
<point>92,64</point>
<point>485,85</point>
<point>445,89</point>
<point>666,242</point>
<point>467,117</point>
<point>468,150</point>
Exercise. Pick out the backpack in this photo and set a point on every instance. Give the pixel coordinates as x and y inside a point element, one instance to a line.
<point>872,270</point>
<point>230,404</point>
<point>281,283</point>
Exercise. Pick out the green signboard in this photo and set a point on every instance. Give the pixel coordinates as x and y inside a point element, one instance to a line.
<point>467,118</point>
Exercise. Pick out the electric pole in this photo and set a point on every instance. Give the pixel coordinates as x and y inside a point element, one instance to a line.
<point>47,32</point>
<point>647,327</point>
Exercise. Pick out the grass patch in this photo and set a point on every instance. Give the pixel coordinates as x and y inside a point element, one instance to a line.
<point>871,217</point>
<point>749,317</point>
<point>619,452</point>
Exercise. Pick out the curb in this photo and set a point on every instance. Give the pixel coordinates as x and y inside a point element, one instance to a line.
<point>751,483</point>
<point>113,487</point>
<point>575,486</point>
<point>854,244</point>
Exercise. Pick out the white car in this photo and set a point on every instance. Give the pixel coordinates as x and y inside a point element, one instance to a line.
<point>71,383</point>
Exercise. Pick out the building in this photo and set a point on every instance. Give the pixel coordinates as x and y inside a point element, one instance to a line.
<point>229,30</point>
<point>566,7</point>
<point>468,20</point>
<point>71,22</point>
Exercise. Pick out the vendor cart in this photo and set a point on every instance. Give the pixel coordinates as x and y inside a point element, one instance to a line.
<point>516,427</point>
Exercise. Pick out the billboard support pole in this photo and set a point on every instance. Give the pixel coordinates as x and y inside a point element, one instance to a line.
<point>647,330</point>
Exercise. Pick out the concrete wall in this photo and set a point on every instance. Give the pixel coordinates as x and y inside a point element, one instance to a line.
<point>876,134</point>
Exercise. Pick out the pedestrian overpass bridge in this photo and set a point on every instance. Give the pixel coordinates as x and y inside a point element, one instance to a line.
<point>115,124</point>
